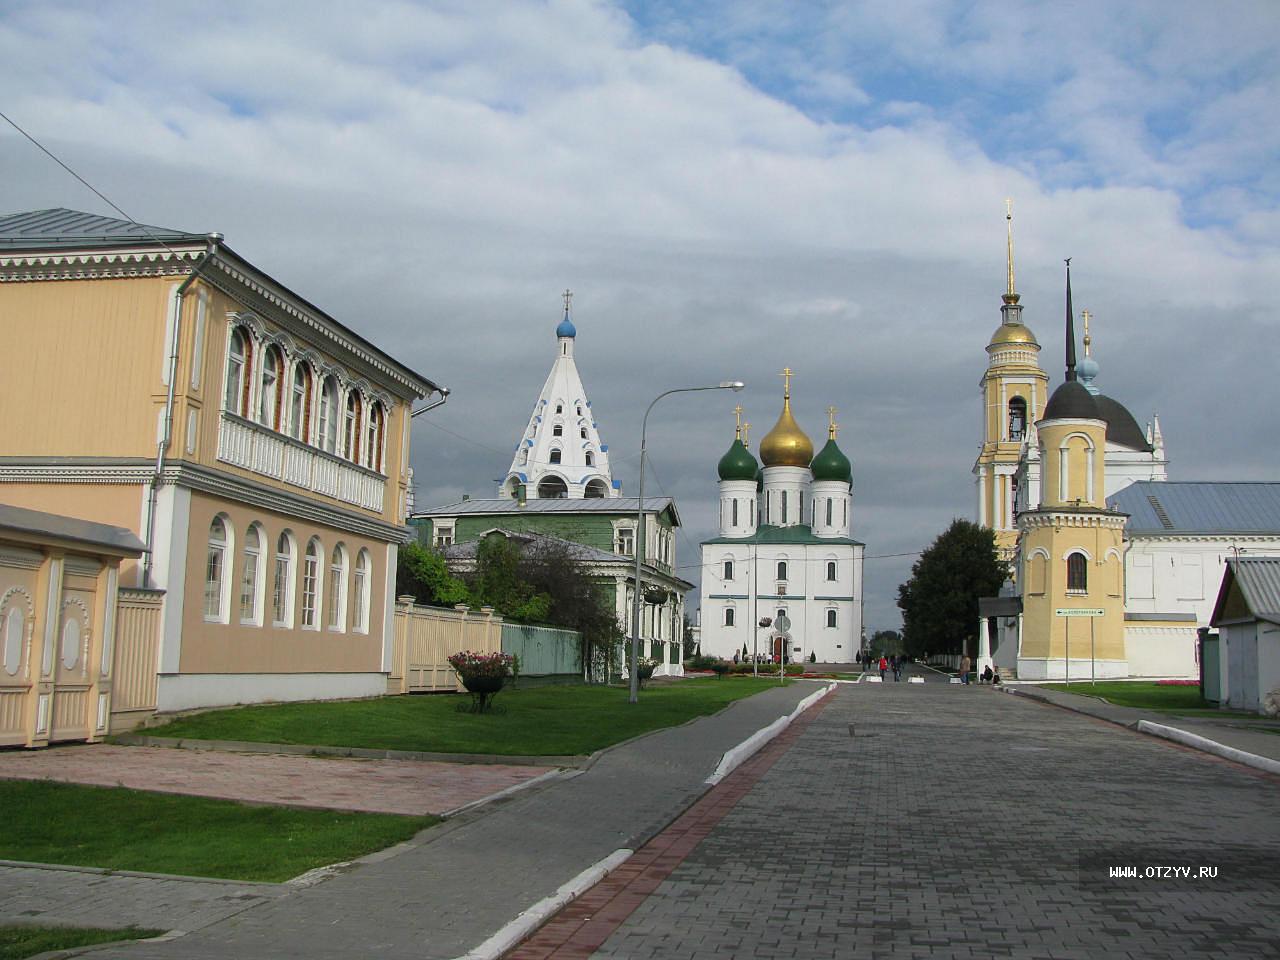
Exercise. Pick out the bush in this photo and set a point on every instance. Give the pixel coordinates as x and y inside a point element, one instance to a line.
<point>720,667</point>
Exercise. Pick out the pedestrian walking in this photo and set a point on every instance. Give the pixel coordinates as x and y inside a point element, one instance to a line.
<point>897,668</point>
<point>884,665</point>
<point>965,663</point>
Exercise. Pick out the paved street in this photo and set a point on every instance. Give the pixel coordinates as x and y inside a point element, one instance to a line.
<point>953,824</point>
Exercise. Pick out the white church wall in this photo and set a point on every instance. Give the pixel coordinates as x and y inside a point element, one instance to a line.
<point>1161,651</point>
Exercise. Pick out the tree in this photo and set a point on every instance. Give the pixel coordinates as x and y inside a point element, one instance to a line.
<point>501,580</point>
<point>690,646</point>
<point>421,573</point>
<point>887,641</point>
<point>940,602</point>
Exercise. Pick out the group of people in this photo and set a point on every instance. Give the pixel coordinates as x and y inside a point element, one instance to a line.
<point>988,674</point>
<point>895,663</point>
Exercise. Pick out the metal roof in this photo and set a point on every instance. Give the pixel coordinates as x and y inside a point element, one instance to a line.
<point>55,526</point>
<point>1171,507</point>
<point>60,227</point>
<point>1258,579</point>
<point>503,505</point>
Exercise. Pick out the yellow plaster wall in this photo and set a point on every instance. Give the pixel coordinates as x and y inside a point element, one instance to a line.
<point>1045,633</point>
<point>85,346</point>
<point>117,504</point>
<point>232,648</point>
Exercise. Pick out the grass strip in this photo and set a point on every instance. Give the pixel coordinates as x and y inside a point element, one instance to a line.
<point>1182,699</point>
<point>119,829</point>
<point>17,942</point>
<point>538,721</point>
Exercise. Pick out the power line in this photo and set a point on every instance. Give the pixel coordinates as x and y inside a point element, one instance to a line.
<point>465,439</point>
<point>102,196</point>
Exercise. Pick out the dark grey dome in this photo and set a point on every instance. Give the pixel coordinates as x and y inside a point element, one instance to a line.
<point>1122,428</point>
<point>1072,401</point>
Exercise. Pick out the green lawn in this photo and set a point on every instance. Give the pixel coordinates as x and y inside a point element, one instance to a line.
<point>17,942</point>
<point>120,829</point>
<point>1181,699</point>
<point>539,721</point>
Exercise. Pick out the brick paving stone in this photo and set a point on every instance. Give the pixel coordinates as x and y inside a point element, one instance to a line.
<point>372,786</point>
<point>954,824</point>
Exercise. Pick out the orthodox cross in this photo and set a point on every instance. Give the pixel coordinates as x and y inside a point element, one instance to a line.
<point>737,411</point>
<point>786,383</point>
<point>568,295</point>
<point>1085,315</point>
<point>746,432</point>
<point>832,429</point>
<point>1008,216</point>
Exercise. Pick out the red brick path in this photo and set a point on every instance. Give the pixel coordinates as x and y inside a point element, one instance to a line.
<point>579,929</point>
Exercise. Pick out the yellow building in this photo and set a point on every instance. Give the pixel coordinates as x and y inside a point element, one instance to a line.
<point>1070,554</point>
<point>258,448</point>
<point>1014,391</point>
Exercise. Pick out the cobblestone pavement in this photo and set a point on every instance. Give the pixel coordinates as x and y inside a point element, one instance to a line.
<point>960,822</point>
<point>71,897</point>
<point>373,786</point>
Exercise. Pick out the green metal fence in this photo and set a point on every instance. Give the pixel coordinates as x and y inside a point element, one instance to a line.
<point>544,652</point>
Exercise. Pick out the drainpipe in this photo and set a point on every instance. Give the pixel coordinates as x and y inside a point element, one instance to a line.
<point>167,434</point>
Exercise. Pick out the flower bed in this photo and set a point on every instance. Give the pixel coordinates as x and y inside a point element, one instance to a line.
<point>483,674</point>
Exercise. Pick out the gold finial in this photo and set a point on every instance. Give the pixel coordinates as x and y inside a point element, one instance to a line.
<point>568,295</point>
<point>832,429</point>
<point>786,382</point>
<point>737,412</point>
<point>1085,315</point>
<point>746,431</point>
<point>1011,295</point>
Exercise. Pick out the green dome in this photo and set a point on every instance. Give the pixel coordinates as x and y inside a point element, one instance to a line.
<point>738,463</point>
<point>831,464</point>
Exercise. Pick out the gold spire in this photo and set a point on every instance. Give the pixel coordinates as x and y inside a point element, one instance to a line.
<point>1011,295</point>
<point>1085,315</point>
<point>786,445</point>
<point>832,429</point>
<point>746,433</point>
<point>737,411</point>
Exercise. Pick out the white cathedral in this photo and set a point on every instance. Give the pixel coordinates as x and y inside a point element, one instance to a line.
<point>784,550</point>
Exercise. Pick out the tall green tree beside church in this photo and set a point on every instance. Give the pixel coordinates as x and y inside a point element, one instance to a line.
<point>940,602</point>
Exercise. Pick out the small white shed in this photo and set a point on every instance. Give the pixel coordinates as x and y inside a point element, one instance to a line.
<point>1247,617</point>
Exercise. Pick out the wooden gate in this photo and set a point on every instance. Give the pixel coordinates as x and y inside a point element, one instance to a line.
<point>424,639</point>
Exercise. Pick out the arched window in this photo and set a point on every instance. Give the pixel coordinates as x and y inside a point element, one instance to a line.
<point>831,569</point>
<point>830,504</point>
<point>1077,573</point>
<point>555,456</point>
<point>782,569</point>
<point>595,489</point>
<point>300,403</point>
<point>328,434</point>
<point>582,432</point>
<point>338,588</point>
<point>373,437</point>
<point>784,508</point>
<point>282,583</point>
<point>831,618</point>
<point>360,593</point>
<point>728,569</point>
<point>270,400</point>
<point>351,427</point>
<point>311,586</point>
<point>591,459</point>
<point>559,408</point>
<point>552,488</point>
<point>579,409</point>
<point>557,430</point>
<point>251,577</point>
<point>728,616</point>
<point>215,571</point>
<point>239,363</point>
<point>733,509</point>
<point>1017,418</point>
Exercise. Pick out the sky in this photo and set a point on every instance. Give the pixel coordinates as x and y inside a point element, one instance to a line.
<point>728,189</point>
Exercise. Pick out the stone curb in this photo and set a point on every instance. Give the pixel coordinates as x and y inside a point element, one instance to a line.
<point>1160,730</point>
<point>735,756</point>
<point>269,888</point>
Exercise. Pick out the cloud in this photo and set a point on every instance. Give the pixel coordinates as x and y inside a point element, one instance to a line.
<point>728,189</point>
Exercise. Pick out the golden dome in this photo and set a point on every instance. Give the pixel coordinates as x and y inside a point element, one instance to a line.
<point>786,445</point>
<point>1012,333</point>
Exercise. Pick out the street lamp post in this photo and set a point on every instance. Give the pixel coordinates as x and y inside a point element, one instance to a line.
<point>634,667</point>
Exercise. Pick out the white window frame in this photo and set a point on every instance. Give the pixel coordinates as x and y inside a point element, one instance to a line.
<point>239,367</point>
<point>362,587</point>
<point>252,579</point>
<point>282,590</point>
<point>337,608</point>
<point>312,584</point>
<point>352,410</point>
<point>217,585</point>
<point>271,386</point>
<point>327,425</point>
<point>300,401</point>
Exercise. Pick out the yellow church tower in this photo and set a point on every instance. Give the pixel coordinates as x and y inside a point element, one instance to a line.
<point>1014,391</point>
<point>1070,548</point>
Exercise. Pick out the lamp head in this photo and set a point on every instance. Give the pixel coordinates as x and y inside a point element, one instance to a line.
<point>734,385</point>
